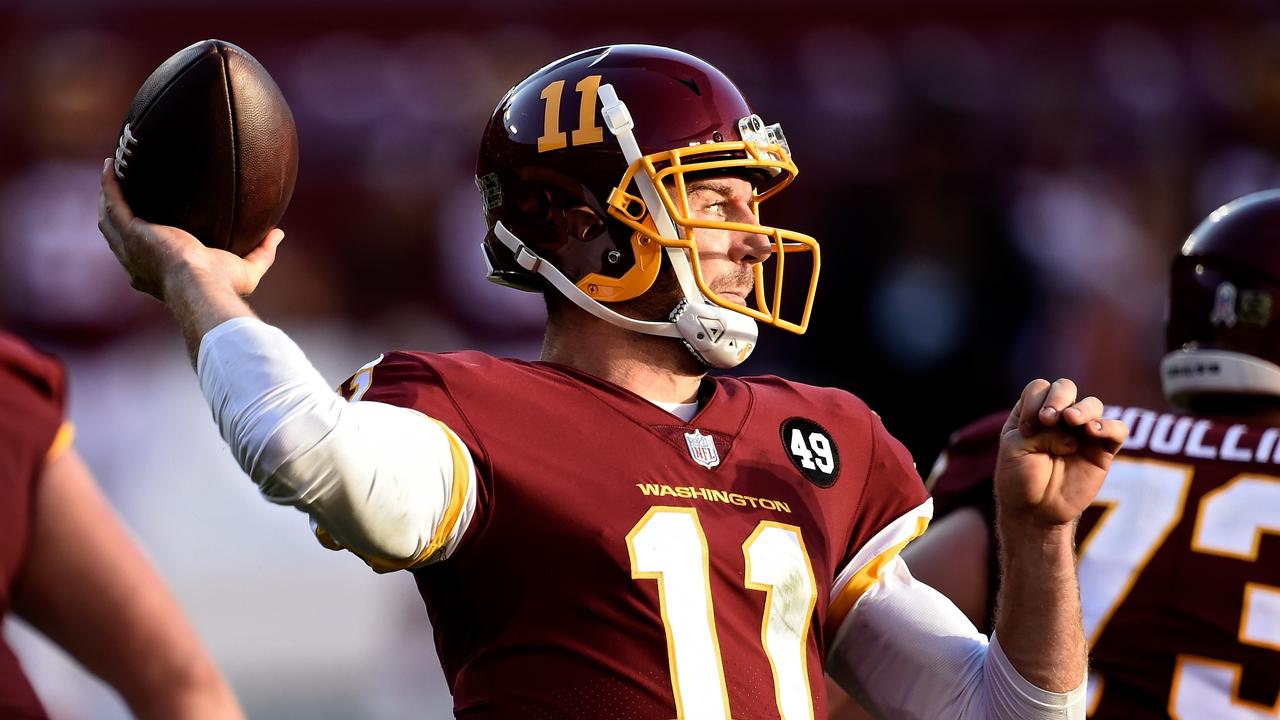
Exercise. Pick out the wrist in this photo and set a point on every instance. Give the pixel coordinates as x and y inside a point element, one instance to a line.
<point>186,277</point>
<point>1021,535</point>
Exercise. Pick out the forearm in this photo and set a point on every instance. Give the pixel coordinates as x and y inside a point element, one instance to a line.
<point>190,689</point>
<point>1038,609</point>
<point>199,301</point>
<point>905,652</point>
<point>90,589</point>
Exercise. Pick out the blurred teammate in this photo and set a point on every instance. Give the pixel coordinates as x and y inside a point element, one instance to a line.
<point>1180,556</point>
<point>68,566</point>
<point>611,532</point>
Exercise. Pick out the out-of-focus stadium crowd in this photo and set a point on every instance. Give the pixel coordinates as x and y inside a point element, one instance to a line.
<point>965,166</point>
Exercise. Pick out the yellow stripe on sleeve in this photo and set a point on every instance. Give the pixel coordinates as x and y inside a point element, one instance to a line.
<point>457,499</point>
<point>325,539</point>
<point>61,441</point>
<point>866,577</point>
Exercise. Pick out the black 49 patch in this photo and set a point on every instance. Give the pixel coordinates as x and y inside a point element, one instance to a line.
<point>811,450</point>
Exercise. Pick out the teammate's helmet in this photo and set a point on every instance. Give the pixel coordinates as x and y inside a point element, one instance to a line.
<point>1224,284</point>
<point>555,142</point>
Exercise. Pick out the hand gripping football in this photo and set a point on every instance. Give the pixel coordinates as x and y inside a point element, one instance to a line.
<point>209,145</point>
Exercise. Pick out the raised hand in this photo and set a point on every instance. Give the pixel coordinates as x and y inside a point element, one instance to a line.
<point>1054,454</point>
<point>156,256</point>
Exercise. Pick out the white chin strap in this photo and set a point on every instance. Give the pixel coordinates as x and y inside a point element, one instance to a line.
<point>717,336</point>
<point>1192,372</point>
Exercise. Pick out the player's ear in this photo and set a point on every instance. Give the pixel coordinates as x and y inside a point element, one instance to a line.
<point>582,223</point>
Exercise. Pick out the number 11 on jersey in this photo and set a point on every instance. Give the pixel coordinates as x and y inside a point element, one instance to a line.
<point>669,546</point>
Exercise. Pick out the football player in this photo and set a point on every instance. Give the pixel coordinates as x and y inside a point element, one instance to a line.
<point>1180,554</point>
<point>612,532</point>
<point>69,567</point>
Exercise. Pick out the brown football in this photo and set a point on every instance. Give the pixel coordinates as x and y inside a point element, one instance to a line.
<point>209,145</point>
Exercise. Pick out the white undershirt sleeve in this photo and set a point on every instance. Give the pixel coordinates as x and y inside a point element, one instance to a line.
<point>389,483</point>
<point>905,651</point>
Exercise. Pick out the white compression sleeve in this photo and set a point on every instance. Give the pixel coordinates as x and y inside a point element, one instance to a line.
<point>379,479</point>
<point>905,651</point>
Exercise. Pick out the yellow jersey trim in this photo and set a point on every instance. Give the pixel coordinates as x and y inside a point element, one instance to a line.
<point>867,576</point>
<point>61,442</point>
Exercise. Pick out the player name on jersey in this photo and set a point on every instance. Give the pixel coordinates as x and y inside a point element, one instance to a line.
<point>1182,435</point>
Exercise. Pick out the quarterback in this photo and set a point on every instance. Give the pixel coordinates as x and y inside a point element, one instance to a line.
<point>610,531</point>
<point>1179,557</point>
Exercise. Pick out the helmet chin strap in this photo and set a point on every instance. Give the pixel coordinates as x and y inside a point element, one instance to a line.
<point>531,261</point>
<point>704,332</point>
<point>717,336</point>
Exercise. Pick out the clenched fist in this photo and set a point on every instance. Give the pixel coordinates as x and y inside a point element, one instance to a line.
<point>1054,454</point>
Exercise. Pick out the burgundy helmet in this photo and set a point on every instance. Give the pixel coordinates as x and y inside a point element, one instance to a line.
<point>1222,296</point>
<point>552,144</point>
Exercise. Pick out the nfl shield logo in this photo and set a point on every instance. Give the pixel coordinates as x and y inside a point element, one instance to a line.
<point>702,448</point>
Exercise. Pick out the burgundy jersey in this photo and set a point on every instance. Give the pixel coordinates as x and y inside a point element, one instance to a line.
<point>31,423</point>
<point>1179,564</point>
<point>623,563</point>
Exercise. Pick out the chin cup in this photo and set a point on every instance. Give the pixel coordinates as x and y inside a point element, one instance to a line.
<point>718,337</point>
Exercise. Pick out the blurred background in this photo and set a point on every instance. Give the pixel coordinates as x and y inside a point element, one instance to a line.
<point>998,187</point>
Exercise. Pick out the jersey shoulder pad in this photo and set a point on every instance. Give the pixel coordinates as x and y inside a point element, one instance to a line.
<point>32,402</point>
<point>811,398</point>
<point>400,377</point>
<point>447,387</point>
<point>20,363</point>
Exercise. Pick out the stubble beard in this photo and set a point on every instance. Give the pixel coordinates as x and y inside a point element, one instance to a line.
<point>656,304</point>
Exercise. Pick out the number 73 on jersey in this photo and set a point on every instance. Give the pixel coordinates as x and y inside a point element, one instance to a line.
<point>1144,501</point>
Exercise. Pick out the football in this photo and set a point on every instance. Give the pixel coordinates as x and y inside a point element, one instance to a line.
<point>209,145</point>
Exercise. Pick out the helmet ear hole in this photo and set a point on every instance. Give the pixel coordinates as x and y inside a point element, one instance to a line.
<point>544,221</point>
<point>535,204</point>
<point>582,223</point>
<point>545,204</point>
